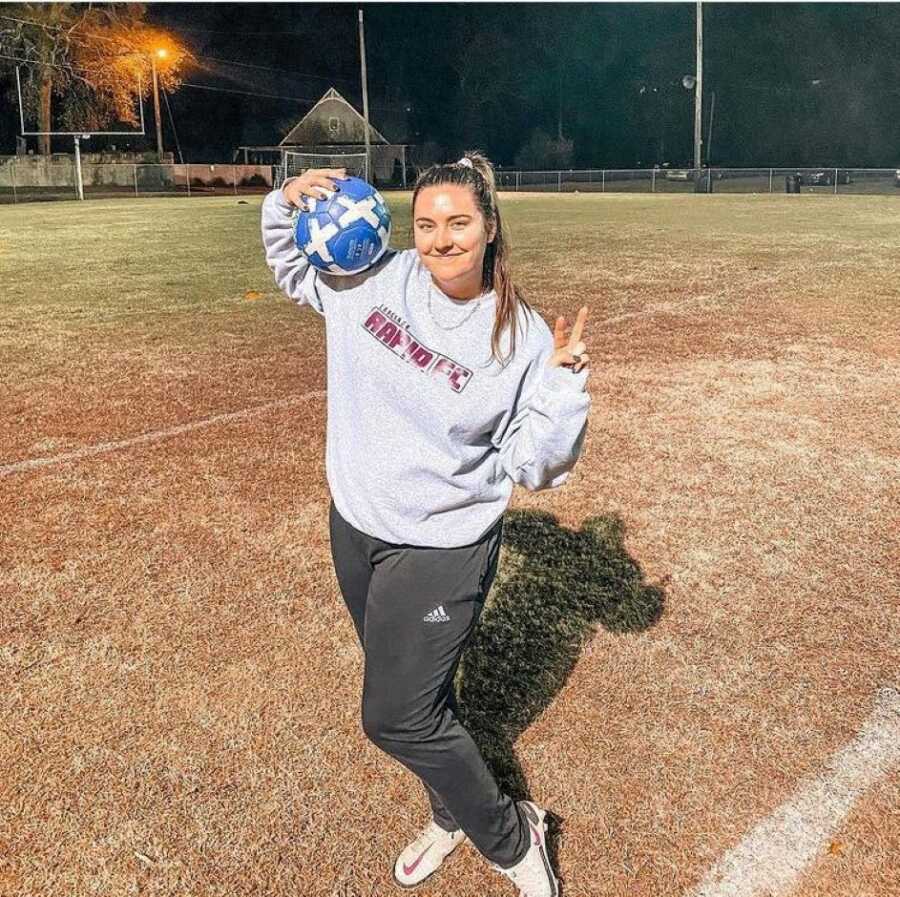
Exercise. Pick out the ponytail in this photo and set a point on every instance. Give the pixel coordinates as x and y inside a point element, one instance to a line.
<point>475,171</point>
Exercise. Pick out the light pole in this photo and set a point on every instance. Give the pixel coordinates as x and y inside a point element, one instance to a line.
<point>161,53</point>
<point>365,95</point>
<point>698,90</point>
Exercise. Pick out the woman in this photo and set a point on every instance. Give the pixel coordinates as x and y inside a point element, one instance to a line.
<point>444,389</point>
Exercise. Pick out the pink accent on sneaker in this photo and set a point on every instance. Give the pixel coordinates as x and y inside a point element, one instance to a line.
<point>534,831</point>
<point>408,870</point>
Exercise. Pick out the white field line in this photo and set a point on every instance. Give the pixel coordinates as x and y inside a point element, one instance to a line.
<point>154,435</point>
<point>772,857</point>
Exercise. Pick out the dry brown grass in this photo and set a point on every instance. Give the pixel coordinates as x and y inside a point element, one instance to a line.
<point>181,682</point>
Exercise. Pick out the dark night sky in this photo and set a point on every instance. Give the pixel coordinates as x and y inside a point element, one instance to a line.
<point>487,75</point>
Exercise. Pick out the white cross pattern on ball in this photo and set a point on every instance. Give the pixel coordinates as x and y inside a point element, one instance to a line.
<point>319,238</point>
<point>355,210</point>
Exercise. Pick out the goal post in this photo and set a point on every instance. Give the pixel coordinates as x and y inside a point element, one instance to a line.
<point>82,132</point>
<point>294,163</point>
<point>79,135</point>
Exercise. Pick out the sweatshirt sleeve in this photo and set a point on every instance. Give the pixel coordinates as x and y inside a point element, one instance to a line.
<point>540,439</point>
<point>292,270</point>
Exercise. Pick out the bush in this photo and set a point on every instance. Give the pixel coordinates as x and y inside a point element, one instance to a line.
<point>255,180</point>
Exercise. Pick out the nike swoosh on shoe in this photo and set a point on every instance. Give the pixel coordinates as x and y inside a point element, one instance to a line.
<point>408,870</point>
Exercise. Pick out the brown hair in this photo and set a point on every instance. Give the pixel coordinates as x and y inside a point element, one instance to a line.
<point>495,275</point>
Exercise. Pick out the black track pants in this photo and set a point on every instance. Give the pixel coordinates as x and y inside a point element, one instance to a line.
<point>414,609</point>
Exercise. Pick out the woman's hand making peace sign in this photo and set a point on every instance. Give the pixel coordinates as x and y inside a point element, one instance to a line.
<point>570,351</point>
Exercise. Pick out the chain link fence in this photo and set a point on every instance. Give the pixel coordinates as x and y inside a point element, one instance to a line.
<point>713,180</point>
<point>26,179</point>
<point>31,179</point>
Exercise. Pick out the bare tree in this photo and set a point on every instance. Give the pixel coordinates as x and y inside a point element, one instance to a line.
<point>41,34</point>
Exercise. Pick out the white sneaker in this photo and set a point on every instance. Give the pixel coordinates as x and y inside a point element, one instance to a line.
<point>532,874</point>
<point>425,855</point>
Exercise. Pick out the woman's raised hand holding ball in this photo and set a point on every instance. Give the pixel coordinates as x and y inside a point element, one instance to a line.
<point>317,183</point>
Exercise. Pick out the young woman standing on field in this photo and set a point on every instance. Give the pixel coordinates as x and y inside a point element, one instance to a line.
<point>444,390</point>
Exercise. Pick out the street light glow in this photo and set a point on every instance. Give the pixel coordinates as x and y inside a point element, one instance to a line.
<point>162,53</point>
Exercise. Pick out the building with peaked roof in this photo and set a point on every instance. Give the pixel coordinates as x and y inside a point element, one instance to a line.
<point>333,127</point>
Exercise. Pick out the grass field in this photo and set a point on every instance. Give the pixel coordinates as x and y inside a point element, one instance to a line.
<point>690,654</point>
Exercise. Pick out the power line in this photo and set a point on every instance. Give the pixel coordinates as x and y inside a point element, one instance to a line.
<point>248,93</point>
<point>174,129</point>
<point>54,65</point>
<point>43,25</point>
<point>94,35</point>
<point>293,72</point>
<point>121,43</point>
<point>273,96</point>
<point>247,33</point>
<point>269,68</point>
<point>48,25</point>
<point>36,62</point>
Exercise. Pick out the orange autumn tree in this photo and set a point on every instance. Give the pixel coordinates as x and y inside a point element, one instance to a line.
<point>118,56</point>
<point>83,67</point>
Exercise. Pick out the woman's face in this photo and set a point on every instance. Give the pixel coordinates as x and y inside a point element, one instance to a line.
<point>451,237</point>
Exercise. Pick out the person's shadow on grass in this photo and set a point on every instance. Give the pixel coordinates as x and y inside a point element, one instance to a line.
<point>553,588</point>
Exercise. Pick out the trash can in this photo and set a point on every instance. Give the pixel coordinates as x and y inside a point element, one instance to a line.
<point>792,183</point>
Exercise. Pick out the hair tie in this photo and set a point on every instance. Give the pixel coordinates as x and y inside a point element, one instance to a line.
<point>466,163</point>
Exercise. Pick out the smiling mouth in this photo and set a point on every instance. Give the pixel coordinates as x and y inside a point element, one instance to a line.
<point>452,255</point>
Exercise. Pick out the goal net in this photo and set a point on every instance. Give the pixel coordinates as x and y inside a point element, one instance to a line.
<point>293,164</point>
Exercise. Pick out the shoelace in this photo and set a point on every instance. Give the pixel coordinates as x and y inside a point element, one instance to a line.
<point>430,833</point>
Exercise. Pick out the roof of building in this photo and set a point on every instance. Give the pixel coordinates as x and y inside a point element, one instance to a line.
<point>330,94</point>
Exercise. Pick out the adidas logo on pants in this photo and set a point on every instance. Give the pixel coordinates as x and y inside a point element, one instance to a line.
<point>438,615</point>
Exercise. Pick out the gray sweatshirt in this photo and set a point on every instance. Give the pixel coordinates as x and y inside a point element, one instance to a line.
<point>426,433</point>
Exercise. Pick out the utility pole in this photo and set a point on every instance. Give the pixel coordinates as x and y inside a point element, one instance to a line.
<point>365,93</point>
<point>698,90</point>
<point>159,144</point>
<point>559,96</point>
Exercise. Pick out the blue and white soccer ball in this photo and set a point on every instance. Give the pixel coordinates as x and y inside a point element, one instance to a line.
<point>346,233</point>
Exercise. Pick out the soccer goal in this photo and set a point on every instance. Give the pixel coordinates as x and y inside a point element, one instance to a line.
<point>293,164</point>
